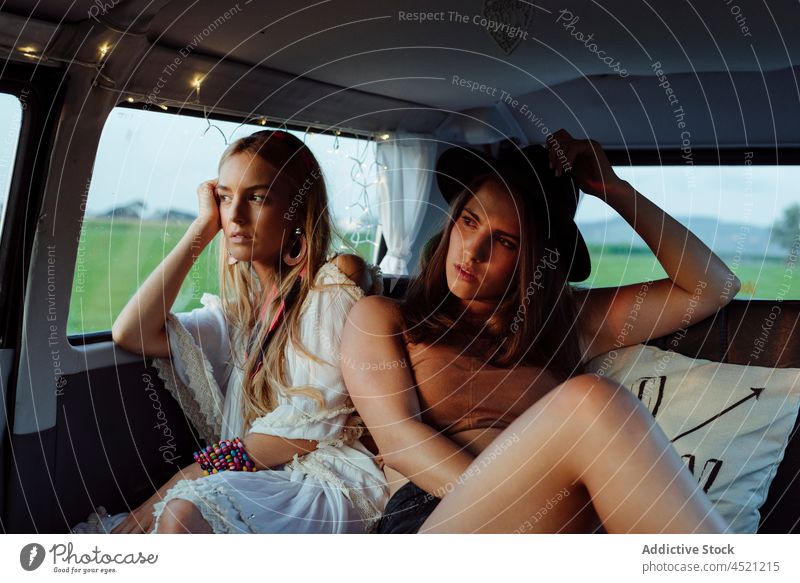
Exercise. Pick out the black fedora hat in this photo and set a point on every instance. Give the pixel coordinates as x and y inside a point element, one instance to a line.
<point>528,169</point>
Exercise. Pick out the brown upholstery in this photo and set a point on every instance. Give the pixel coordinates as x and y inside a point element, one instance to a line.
<point>755,332</point>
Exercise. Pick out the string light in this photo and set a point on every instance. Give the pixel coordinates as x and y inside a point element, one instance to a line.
<point>29,52</point>
<point>197,81</point>
<point>104,48</point>
<point>130,99</point>
<point>361,228</point>
<point>262,121</point>
<point>385,137</point>
<point>162,106</point>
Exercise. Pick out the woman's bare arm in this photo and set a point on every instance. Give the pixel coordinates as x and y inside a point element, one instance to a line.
<point>386,398</point>
<point>267,451</point>
<point>140,327</point>
<point>699,283</point>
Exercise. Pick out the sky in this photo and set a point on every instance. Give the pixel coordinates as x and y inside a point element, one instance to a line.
<point>161,158</point>
<point>755,195</point>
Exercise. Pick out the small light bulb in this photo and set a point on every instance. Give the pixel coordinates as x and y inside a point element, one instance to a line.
<point>130,100</point>
<point>385,136</point>
<point>162,106</point>
<point>104,50</point>
<point>263,121</point>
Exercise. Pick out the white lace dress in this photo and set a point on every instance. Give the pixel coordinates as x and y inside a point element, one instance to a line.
<point>334,489</point>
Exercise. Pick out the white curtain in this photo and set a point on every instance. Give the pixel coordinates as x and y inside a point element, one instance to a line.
<point>405,171</point>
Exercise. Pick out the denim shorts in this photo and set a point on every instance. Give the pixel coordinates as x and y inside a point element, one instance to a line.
<point>406,510</point>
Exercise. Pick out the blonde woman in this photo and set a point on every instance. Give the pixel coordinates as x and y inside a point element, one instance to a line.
<point>260,362</point>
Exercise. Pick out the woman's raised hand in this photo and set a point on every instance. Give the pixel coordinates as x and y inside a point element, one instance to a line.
<point>587,161</point>
<point>208,208</point>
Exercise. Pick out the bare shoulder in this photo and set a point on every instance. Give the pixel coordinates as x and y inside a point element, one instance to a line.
<point>376,315</point>
<point>355,268</point>
<point>349,264</point>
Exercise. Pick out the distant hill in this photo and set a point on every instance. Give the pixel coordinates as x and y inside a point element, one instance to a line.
<point>172,215</point>
<point>723,238</point>
<point>135,210</point>
<point>132,210</point>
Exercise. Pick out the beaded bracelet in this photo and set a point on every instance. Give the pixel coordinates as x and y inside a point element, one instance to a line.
<point>224,456</point>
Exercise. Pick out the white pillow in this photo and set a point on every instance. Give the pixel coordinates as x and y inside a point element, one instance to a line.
<point>730,423</point>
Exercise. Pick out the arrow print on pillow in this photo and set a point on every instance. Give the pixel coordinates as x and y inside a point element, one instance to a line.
<point>756,393</point>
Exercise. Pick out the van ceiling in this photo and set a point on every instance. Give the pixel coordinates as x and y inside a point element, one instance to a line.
<point>730,66</point>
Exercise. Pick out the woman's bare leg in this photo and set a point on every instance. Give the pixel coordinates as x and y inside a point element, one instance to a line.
<point>182,517</point>
<point>587,450</point>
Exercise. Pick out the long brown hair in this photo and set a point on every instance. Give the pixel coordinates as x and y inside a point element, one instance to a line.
<point>240,288</point>
<point>535,322</point>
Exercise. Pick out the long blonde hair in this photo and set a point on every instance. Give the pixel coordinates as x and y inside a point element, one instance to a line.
<point>240,287</point>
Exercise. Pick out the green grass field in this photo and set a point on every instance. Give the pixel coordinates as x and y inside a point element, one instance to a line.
<point>114,259</point>
<point>761,277</point>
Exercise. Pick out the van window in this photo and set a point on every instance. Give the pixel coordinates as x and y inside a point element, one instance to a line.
<point>748,215</point>
<point>10,125</point>
<point>142,196</point>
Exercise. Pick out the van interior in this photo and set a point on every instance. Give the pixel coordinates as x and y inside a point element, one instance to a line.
<point>114,110</point>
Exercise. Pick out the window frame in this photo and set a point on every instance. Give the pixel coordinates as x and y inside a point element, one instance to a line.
<point>43,98</point>
<point>761,156</point>
<point>42,101</point>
